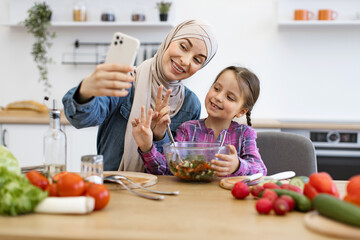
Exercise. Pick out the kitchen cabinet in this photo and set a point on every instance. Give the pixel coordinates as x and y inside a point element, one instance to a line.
<point>348,11</point>
<point>80,142</point>
<point>25,141</point>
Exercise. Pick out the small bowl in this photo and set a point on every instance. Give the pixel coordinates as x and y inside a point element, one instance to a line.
<point>191,161</point>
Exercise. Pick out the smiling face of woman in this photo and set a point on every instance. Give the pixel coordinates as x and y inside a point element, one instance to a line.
<point>183,58</point>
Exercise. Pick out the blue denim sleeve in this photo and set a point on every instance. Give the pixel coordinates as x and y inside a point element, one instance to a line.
<point>89,114</point>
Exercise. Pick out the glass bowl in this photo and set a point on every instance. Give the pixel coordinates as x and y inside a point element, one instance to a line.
<point>191,161</point>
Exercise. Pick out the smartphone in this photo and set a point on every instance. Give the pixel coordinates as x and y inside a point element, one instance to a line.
<point>123,49</point>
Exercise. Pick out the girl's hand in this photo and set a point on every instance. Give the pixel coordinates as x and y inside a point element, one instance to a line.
<point>228,164</point>
<point>107,80</point>
<point>161,117</point>
<point>142,132</point>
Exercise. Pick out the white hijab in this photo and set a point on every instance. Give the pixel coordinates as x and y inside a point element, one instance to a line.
<point>149,76</point>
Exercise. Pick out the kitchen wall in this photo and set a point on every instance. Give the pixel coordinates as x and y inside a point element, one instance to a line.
<point>309,73</point>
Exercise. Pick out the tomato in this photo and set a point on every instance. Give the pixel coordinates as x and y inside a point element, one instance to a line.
<point>354,199</point>
<point>58,176</point>
<point>353,190</point>
<point>70,185</point>
<point>323,183</point>
<point>37,179</point>
<point>353,187</point>
<point>100,193</point>
<point>52,190</point>
<point>310,191</point>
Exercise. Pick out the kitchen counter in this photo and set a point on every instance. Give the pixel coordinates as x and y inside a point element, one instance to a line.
<point>31,117</point>
<point>27,117</point>
<point>200,211</point>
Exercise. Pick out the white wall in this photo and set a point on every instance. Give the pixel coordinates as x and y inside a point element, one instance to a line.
<point>305,73</point>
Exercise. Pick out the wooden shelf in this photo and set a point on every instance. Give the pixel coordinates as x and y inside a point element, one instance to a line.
<point>105,24</point>
<point>319,23</point>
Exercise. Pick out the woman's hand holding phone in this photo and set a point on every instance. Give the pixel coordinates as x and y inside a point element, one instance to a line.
<point>112,77</point>
<point>108,79</point>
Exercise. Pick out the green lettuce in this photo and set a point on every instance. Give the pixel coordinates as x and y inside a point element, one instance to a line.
<point>17,194</point>
<point>8,160</point>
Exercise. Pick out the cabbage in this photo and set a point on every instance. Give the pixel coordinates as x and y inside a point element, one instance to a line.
<point>17,194</point>
<point>8,160</point>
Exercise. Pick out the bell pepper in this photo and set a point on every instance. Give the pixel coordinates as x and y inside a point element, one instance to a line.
<point>353,190</point>
<point>320,182</point>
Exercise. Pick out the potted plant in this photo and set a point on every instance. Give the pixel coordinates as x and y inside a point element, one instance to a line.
<point>164,8</point>
<point>37,23</point>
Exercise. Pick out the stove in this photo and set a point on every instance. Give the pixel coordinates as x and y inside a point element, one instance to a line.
<point>337,151</point>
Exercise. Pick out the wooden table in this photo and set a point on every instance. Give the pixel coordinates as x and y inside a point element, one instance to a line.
<point>201,211</point>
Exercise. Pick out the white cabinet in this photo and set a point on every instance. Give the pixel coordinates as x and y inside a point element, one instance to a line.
<point>79,142</point>
<point>25,141</point>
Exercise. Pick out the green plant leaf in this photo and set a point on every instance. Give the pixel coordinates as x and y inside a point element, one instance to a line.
<point>37,23</point>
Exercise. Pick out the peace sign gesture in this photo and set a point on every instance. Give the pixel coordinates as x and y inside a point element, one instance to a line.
<point>161,117</point>
<point>142,132</point>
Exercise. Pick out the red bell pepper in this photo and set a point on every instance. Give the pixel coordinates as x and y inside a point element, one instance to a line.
<point>320,182</point>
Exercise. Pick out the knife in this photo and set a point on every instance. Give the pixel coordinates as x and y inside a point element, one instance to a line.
<point>253,177</point>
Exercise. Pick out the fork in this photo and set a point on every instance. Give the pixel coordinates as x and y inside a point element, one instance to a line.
<point>173,143</point>
<point>161,197</point>
<point>120,177</point>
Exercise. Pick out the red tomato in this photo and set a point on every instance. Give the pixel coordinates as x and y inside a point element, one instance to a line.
<point>323,183</point>
<point>100,193</point>
<point>310,191</point>
<point>353,190</point>
<point>37,179</point>
<point>353,186</point>
<point>58,176</point>
<point>70,185</point>
<point>51,189</point>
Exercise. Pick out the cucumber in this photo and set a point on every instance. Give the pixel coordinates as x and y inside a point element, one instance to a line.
<point>302,203</point>
<point>337,209</point>
<point>299,181</point>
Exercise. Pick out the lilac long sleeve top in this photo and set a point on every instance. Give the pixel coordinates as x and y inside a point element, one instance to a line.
<point>241,136</point>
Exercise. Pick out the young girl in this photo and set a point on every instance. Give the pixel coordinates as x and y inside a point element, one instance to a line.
<point>233,94</point>
<point>100,98</point>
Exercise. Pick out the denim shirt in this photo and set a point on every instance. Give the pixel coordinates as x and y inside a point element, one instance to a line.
<point>112,114</point>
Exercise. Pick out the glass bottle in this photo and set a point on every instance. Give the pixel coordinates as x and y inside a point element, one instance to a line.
<point>79,12</point>
<point>54,145</point>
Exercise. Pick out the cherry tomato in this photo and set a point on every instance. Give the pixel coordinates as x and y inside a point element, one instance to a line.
<point>37,179</point>
<point>70,185</point>
<point>100,193</point>
<point>51,189</point>
<point>58,176</point>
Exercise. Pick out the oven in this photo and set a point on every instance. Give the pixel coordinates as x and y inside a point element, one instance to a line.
<point>337,151</point>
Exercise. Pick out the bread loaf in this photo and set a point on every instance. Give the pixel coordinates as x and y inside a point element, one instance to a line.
<point>27,105</point>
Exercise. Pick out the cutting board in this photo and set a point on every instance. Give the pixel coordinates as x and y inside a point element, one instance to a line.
<point>143,179</point>
<point>323,225</point>
<point>228,183</point>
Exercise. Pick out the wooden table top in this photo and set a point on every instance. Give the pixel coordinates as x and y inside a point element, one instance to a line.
<point>200,211</point>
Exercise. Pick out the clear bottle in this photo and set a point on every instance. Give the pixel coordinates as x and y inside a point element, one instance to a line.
<point>54,145</point>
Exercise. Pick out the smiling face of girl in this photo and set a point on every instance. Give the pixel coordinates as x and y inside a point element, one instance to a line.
<point>224,100</point>
<point>183,58</point>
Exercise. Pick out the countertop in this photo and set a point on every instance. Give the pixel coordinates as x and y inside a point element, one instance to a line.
<point>27,117</point>
<point>200,211</point>
<point>31,117</point>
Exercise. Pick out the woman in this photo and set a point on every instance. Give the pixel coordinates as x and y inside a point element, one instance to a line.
<point>100,98</point>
